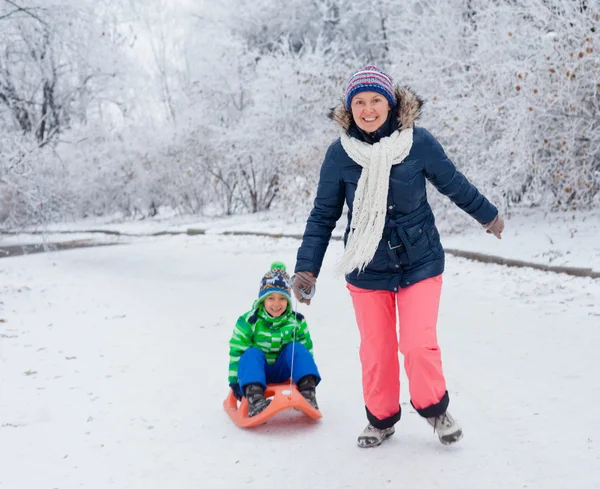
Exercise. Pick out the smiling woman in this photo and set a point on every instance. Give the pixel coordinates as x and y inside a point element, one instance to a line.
<point>393,258</point>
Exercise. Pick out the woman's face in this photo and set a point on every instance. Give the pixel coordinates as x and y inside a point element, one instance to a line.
<point>370,110</point>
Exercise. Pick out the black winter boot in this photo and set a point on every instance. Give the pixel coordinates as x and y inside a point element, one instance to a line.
<point>307,387</point>
<point>256,399</point>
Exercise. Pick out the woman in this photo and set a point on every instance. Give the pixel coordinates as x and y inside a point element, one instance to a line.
<point>393,259</point>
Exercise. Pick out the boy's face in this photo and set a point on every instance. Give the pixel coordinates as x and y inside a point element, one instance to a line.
<point>275,304</point>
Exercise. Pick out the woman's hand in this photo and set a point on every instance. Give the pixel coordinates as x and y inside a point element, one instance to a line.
<point>495,227</point>
<point>303,282</point>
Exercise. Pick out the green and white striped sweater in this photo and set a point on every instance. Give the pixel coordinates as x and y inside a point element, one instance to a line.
<point>271,335</point>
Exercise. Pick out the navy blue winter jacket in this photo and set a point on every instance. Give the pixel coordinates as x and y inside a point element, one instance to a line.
<point>410,249</point>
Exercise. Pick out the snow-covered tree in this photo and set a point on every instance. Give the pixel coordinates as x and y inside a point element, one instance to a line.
<point>140,107</point>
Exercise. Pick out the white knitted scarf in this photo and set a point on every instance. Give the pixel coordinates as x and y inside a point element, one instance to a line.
<point>370,200</point>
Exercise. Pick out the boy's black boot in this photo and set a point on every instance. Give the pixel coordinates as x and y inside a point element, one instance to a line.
<point>255,394</point>
<point>307,387</point>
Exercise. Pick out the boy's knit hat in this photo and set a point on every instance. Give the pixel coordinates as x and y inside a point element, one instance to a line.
<point>370,79</point>
<point>276,280</point>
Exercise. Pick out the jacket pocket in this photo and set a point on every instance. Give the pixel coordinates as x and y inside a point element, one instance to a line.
<point>417,247</point>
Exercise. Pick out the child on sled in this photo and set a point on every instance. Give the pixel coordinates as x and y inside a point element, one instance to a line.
<point>267,341</point>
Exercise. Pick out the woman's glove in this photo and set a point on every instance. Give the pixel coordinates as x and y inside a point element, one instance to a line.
<point>303,284</point>
<point>496,226</point>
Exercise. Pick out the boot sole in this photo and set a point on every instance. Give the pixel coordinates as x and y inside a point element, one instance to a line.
<point>452,438</point>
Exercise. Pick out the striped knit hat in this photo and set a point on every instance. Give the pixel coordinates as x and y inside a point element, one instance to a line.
<point>276,280</point>
<point>370,79</point>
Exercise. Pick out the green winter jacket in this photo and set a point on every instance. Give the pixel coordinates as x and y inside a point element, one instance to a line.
<point>257,328</point>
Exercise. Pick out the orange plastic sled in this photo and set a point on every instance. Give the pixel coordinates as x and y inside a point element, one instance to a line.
<point>284,397</point>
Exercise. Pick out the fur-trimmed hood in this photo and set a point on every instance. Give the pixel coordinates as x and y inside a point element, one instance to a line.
<point>407,110</point>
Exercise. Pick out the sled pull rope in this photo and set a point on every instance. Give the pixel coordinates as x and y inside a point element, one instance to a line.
<point>293,347</point>
<point>306,295</point>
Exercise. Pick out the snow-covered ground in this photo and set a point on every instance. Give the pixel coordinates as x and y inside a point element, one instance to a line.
<point>558,239</point>
<point>113,369</point>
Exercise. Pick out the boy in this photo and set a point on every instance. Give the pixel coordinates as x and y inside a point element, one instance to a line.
<point>267,340</point>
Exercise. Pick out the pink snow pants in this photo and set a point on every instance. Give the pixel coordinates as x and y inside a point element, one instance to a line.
<point>417,308</point>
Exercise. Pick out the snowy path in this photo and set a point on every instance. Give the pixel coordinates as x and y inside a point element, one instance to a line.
<point>113,368</point>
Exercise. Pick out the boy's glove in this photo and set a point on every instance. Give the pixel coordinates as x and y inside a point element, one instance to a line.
<point>495,227</point>
<point>237,391</point>
<point>304,282</point>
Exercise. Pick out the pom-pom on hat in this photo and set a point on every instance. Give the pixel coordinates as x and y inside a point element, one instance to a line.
<point>276,280</point>
<point>370,79</point>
